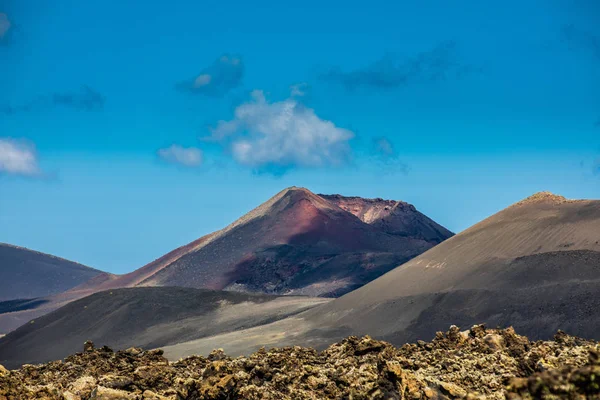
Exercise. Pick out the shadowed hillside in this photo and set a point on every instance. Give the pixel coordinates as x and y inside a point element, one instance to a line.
<point>150,317</point>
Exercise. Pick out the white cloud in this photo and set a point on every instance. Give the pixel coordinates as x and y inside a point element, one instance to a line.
<point>282,134</point>
<point>187,156</point>
<point>18,158</point>
<point>4,25</point>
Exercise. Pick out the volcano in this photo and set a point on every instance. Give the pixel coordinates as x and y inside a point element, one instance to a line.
<point>297,243</point>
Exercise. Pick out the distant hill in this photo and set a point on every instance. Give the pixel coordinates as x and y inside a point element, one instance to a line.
<point>147,317</point>
<point>26,274</point>
<point>534,266</point>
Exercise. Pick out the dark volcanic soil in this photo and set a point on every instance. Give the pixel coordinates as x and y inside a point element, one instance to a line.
<point>148,317</point>
<point>534,265</point>
<point>476,363</point>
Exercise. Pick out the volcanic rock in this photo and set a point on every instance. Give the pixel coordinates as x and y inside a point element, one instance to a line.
<point>452,366</point>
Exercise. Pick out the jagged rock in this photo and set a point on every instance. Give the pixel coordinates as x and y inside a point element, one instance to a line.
<point>70,396</point>
<point>451,390</point>
<point>150,395</point>
<point>477,331</point>
<point>494,341</point>
<point>367,345</point>
<point>217,355</point>
<point>570,382</point>
<point>88,346</point>
<point>103,393</point>
<point>133,351</point>
<point>115,381</point>
<point>474,364</point>
<point>83,386</point>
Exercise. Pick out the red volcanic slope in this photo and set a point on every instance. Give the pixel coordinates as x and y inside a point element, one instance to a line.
<point>299,243</point>
<point>295,243</point>
<point>109,281</point>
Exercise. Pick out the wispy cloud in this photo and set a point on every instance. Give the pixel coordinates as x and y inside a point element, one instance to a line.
<point>18,157</point>
<point>386,157</point>
<point>86,99</point>
<point>299,89</point>
<point>5,26</point>
<point>579,39</point>
<point>383,147</point>
<point>276,136</point>
<point>225,73</point>
<point>186,156</point>
<point>389,73</point>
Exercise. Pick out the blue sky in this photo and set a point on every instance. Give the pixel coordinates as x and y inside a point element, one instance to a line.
<point>128,128</point>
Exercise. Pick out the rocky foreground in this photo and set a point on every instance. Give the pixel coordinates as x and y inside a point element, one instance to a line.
<point>477,363</point>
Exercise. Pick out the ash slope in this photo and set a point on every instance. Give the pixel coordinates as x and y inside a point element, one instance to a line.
<point>26,274</point>
<point>295,243</point>
<point>534,266</point>
<point>148,317</point>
